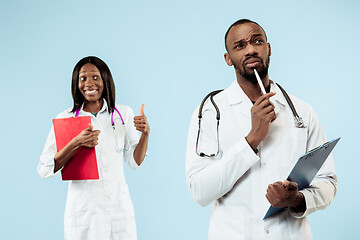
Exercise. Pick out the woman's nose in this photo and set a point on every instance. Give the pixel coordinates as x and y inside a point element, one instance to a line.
<point>89,82</point>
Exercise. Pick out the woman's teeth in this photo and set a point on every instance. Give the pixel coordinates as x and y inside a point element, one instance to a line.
<point>90,91</point>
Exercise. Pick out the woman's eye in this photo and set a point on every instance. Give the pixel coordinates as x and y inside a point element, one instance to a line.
<point>82,78</point>
<point>95,77</point>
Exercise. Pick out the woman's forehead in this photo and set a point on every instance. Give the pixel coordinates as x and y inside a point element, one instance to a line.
<point>88,67</point>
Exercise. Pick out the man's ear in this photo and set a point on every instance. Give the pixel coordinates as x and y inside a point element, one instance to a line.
<point>228,59</point>
<point>269,49</point>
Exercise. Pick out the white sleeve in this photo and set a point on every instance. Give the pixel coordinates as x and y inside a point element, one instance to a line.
<point>209,178</point>
<point>132,139</point>
<point>323,188</point>
<point>47,163</point>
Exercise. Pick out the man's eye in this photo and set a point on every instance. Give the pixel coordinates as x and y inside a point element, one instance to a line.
<point>258,41</point>
<point>240,46</point>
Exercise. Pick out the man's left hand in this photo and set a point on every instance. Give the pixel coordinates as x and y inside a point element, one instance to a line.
<point>285,194</point>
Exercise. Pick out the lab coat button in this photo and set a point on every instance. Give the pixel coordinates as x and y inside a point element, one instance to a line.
<point>267,231</point>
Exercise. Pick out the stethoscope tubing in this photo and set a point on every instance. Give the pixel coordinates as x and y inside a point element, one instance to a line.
<point>299,123</point>
<point>112,116</point>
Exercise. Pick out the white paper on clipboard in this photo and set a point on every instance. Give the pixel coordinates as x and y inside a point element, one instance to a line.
<point>306,168</point>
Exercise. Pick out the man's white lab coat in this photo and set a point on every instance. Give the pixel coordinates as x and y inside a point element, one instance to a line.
<point>235,182</point>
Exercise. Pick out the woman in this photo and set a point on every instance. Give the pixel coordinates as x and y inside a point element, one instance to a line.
<point>99,209</point>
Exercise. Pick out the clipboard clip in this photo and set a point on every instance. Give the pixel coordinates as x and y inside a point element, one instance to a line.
<point>319,147</point>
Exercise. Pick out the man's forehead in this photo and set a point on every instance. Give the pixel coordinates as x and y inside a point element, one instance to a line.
<point>244,32</point>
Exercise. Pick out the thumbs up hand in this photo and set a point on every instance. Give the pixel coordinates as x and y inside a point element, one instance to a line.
<point>142,110</point>
<point>140,122</point>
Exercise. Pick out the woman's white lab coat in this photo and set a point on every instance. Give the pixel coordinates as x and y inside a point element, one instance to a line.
<point>99,209</point>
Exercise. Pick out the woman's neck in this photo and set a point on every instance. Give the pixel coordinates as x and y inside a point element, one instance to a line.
<point>93,107</point>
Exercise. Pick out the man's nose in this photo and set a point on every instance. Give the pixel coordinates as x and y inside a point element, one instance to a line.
<point>250,50</point>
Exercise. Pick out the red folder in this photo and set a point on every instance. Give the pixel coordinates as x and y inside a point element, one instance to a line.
<point>82,165</point>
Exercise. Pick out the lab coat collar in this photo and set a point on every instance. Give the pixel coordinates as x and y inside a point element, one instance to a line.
<point>279,97</point>
<point>237,95</point>
<point>103,108</point>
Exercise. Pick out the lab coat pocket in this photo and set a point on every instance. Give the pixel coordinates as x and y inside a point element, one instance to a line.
<point>228,219</point>
<point>120,133</point>
<point>294,142</point>
<point>126,203</point>
<point>77,212</point>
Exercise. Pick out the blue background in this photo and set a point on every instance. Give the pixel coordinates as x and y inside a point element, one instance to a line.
<point>168,55</point>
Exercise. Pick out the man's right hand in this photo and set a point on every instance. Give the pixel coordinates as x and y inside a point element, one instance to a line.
<point>262,114</point>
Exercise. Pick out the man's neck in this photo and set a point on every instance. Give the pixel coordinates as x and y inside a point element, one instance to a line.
<point>252,90</point>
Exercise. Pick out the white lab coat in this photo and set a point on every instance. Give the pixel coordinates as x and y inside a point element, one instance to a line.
<point>99,209</point>
<point>235,182</point>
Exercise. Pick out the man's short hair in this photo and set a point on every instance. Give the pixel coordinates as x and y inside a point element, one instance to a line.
<point>238,22</point>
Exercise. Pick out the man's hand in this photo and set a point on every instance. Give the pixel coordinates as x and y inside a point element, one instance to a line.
<point>140,122</point>
<point>286,195</point>
<point>262,114</point>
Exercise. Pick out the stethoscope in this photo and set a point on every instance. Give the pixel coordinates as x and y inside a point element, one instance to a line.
<point>299,123</point>
<point>117,131</point>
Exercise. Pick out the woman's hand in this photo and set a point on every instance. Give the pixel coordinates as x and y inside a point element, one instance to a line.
<point>88,137</point>
<point>140,122</point>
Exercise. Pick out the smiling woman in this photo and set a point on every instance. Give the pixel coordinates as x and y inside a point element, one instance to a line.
<point>91,86</point>
<point>89,74</point>
<point>102,208</point>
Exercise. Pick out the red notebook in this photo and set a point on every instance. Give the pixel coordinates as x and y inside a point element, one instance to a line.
<point>82,165</point>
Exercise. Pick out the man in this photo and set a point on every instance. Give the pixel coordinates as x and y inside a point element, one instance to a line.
<point>240,167</point>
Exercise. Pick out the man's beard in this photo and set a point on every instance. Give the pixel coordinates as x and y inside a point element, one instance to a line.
<point>250,76</point>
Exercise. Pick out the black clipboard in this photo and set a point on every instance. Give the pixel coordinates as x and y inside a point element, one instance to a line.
<point>306,168</point>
